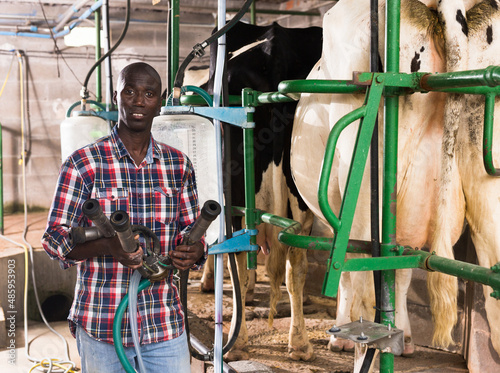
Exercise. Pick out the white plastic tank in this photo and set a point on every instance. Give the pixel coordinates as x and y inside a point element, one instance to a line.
<point>194,136</point>
<point>80,130</point>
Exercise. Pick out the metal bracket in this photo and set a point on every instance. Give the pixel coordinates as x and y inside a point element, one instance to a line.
<point>233,115</point>
<point>240,242</point>
<point>376,335</point>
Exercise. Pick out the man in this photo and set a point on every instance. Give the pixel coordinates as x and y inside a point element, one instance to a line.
<point>155,185</point>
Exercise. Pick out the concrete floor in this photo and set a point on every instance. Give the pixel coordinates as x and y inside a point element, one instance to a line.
<point>42,342</point>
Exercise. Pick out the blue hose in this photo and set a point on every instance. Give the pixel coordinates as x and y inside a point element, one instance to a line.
<point>117,336</point>
<point>132,313</point>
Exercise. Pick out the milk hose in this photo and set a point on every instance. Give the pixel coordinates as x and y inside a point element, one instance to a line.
<point>132,313</point>
<point>199,49</point>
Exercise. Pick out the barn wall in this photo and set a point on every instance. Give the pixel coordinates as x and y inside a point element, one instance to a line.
<point>52,86</point>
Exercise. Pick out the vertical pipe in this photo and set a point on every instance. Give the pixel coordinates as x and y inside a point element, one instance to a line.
<point>219,264</point>
<point>97,19</point>
<point>374,163</point>
<point>170,73</point>
<point>253,19</point>
<point>248,145</point>
<point>389,197</point>
<point>174,40</point>
<point>107,61</point>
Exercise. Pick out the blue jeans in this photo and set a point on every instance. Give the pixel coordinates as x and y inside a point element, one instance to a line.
<point>166,357</point>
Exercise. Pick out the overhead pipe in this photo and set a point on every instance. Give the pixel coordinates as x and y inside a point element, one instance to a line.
<point>75,8</point>
<point>36,34</point>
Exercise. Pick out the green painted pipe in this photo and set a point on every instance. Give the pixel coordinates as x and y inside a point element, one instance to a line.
<point>328,163</point>
<point>117,328</point>
<point>92,102</point>
<point>196,100</point>
<point>290,236</point>
<point>489,76</point>
<point>253,14</point>
<point>251,218</point>
<point>369,111</point>
<point>489,108</point>
<point>480,90</point>
<point>288,87</point>
<point>272,98</point>
<point>467,271</point>
<point>389,194</point>
<point>174,42</point>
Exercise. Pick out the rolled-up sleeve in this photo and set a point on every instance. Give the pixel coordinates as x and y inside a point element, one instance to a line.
<point>64,213</point>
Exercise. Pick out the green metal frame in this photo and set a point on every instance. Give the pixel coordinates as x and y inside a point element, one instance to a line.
<point>388,86</point>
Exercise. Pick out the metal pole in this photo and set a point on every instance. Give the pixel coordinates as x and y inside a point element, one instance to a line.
<point>389,197</point>
<point>107,61</point>
<point>252,13</point>
<point>97,18</point>
<point>174,40</point>
<point>250,213</point>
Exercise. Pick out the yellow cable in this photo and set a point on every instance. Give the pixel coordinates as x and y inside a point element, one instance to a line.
<point>7,77</point>
<point>49,363</point>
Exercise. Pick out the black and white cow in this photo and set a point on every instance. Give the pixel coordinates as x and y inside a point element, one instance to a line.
<point>260,58</point>
<point>441,181</point>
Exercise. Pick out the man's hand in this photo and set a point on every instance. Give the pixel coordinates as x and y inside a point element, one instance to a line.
<point>131,260</point>
<point>107,246</point>
<point>184,256</point>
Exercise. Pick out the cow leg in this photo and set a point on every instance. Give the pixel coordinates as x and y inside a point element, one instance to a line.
<point>239,349</point>
<point>344,304</point>
<point>207,280</point>
<point>403,279</point>
<point>252,278</point>
<point>299,347</point>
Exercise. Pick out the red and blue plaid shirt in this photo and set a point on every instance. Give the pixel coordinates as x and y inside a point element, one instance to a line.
<point>160,194</point>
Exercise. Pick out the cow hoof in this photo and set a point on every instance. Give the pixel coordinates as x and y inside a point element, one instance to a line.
<point>249,298</point>
<point>409,347</point>
<point>338,345</point>
<point>207,285</point>
<point>237,355</point>
<point>305,353</point>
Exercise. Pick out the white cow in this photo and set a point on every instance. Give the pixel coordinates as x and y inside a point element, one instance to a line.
<point>441,179</point>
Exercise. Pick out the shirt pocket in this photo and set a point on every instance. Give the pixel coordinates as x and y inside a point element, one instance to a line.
<point>166,204</point>
<point>112,199</point>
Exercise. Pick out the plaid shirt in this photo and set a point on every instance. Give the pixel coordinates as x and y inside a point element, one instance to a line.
<point>160,194</point>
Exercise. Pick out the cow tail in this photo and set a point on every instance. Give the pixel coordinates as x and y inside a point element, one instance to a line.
<point>443,289</point>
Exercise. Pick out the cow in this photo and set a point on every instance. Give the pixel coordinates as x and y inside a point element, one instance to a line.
<point>441,180</point>
<point>259,57</point>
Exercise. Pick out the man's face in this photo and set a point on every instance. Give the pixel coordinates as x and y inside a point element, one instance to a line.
<point>138,97</point>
